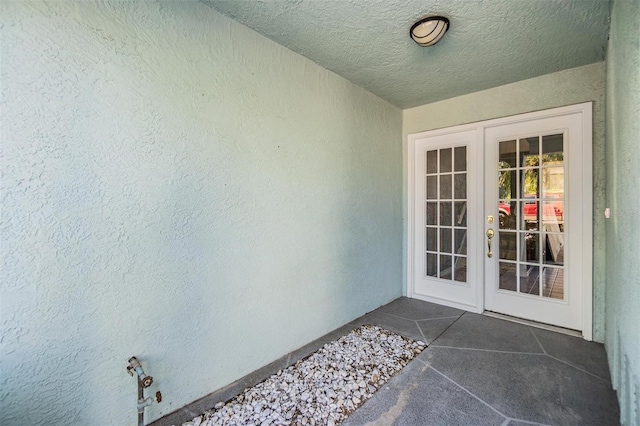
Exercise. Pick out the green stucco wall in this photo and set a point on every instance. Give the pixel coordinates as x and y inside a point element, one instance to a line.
<point>572,86</point>
<point>179,188</point>
<point>623,197</point>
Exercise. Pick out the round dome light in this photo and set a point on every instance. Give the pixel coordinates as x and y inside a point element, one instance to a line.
<point>429,31</point>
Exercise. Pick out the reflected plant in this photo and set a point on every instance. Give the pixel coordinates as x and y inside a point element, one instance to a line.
<point>504,181</point>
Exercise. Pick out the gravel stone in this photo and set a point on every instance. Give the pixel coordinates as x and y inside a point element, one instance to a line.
<point>322,389</point>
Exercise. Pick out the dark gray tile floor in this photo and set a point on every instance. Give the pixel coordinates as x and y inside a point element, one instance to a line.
<point>477,370</point>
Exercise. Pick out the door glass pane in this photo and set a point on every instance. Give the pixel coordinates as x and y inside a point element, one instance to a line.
<point>507,155</point>
<point>432,238</point>
<point>432,162</point>
<point>553,216</point>
<point>445,160</point>
<point>445,187</point>
<point>508,215</point>
<point>432,264</point>
<point>445,214</point>
<point>507,185</point>
<point>530,279</point>
<point>554,249</point>
<point>461,213</point>
<point>445,267</point>
<point>553,283</point>
<point>432,187</point>
<point>508,277</point>
<point>460,241</point>
<point>529,152</point>
<point>529,216</point>
<point>432,213</point>
<point>552,149</point>
<point>460,186</point>
<point>530,243</point>
<point>553,182</point>
<point>445,240</point>
<point>529,184</point>
<point>508,248</point>
<point>460,159</point>
<point>460,269</point>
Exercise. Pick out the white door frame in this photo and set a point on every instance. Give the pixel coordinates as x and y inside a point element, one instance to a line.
<point>585,109</point>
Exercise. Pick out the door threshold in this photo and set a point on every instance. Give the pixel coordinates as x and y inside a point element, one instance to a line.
<point>543,326</point>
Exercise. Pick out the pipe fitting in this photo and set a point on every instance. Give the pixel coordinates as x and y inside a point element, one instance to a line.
<point>142,403</point>
<point>144,382</point>
<point>134,365</point>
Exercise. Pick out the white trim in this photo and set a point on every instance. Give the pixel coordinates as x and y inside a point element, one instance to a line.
<point>535,324</point>
<point>449,303</point>
<point>479,222</point>
<point>587,202</point>
<point>587,225</point>
<point>411,142</point>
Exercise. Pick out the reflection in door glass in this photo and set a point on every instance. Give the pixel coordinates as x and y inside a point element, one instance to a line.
<point>507,185</point>
<point>553,283</point>
<point>508,277</point>
<point>552,149</point>
<point>507,155</point>
<point>530,243</point>
<point>529,184</point>
<point>460,241</point>
<point>460,268</point>
<point>508,247</point>
<point>553,182</point>
<point>531,190</point>
<point>530,279</point>
<point>553,253</point>
<point>530,215</point>
<point>529,149</point>
<point>461,213</point>
<point>508,214</point>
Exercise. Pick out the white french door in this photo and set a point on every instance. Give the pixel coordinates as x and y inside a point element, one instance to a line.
<point>500,217</point>
<point>447,265</point>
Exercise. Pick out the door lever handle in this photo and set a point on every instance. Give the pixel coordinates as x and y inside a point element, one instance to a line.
<point>490,234</point>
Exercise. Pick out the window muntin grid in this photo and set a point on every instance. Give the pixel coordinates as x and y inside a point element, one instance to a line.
<point>531,190</point>
<point>446,214</point>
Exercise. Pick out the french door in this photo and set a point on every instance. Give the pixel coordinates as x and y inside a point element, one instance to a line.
<point>447,264</point>
<point>500,217</point>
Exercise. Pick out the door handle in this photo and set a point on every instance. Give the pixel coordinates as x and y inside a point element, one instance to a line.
<point>490,234</point>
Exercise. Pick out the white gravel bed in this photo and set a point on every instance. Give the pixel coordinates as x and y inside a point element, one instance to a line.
<point>323,388</point>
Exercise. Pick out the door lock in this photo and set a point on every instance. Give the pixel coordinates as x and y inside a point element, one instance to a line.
<point>490,234</point>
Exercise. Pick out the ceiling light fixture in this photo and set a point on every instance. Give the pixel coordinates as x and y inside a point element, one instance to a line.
<point>429,31</point>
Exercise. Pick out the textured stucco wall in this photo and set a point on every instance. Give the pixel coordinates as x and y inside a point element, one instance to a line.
<point>572,86</point>
<point>623,229</point>
<point>177,187</point>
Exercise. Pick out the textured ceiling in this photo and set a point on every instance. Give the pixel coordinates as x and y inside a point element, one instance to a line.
<point>490,42</point>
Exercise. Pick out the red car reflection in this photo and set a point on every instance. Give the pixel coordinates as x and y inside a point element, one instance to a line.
<point>551,212</point>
